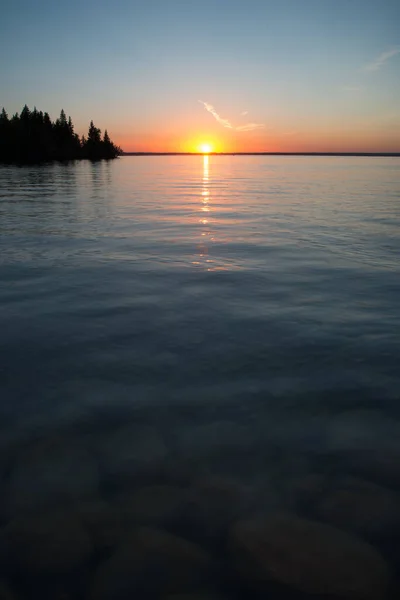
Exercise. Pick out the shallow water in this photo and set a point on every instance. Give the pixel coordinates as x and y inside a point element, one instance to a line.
<point>181,319</point>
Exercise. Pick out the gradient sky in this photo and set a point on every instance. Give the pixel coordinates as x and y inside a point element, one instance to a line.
<point>254,75</point>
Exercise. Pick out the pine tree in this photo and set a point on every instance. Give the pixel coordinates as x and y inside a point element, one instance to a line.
<point>33,137</point>
<point>94,134</point>
<point>3,117</point>
<point>4,134</point>
<point>70,126</point>
<point>25,114</point>
<point>93,147</point>
<point>63,118</point>
<point>106,138</point>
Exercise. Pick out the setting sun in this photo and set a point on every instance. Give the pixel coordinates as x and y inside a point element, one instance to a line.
<point>203,143</point>
<point>205,148</point>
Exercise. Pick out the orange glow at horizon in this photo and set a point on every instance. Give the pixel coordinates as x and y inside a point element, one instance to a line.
<point>315,139</point>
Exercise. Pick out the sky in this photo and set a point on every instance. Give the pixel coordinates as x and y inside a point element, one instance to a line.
<point>249,76</point>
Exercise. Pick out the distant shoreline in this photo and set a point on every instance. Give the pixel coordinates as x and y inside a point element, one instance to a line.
<point>372,154</point>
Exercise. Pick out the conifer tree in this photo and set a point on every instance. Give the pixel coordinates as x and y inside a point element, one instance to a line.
<point>32,137</point>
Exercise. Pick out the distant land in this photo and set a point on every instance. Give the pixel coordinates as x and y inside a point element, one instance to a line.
<point>382,154</point>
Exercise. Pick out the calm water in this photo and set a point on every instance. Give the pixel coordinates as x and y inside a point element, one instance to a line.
<point>246,309</point>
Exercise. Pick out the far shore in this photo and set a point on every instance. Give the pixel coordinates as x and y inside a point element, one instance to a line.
<point>377,154</point>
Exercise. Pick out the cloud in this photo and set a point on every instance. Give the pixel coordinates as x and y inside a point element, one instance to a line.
<point>249,127</point>
<point>352,88</point>
<point>211,109</point>
<point>293,132</point>
<point>226,123</point>
<point>380,60</point>
<point>244,113</point>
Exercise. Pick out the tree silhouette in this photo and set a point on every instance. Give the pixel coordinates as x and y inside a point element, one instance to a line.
<point>4,132</point>
<point>33,137</point>
<point>93,148</point>
<point>108,146</point>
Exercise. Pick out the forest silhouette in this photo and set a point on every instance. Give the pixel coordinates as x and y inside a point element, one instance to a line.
<point>31,137</point>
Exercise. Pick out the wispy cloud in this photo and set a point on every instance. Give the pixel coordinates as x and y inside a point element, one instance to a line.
<point>211,109</point>
<point>249,127</point>
<point>226,123</point>
<point>380,60</point>
<point>244,113</point>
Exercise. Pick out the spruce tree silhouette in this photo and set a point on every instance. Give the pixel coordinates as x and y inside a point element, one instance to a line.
<point>31,137</point>
<point>4,133</point>
<point>108,147</point>
<point>93,147</point>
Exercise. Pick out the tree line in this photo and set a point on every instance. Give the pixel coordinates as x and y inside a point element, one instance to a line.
<point>31,137</point>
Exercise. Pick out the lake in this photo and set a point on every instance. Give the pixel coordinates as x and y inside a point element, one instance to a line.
<point>204,348</point>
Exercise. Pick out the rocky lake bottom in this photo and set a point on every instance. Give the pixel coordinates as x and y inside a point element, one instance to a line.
<point>193,505</point>
<point>199,379</point>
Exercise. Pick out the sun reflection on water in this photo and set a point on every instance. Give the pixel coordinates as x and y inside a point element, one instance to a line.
<point>203,246</point>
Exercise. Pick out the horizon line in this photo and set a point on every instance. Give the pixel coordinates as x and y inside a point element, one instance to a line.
<point>377,154</point>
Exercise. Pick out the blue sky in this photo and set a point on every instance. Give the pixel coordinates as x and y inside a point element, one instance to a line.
<point>314,74</point>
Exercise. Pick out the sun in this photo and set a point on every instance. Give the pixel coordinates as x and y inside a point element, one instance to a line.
<point>205,148</point>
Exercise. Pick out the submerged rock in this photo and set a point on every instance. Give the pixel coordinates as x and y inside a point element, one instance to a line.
<point>129,452</point>
<point>303,491</point>
<point>381,464</point>
<point>150,561</point>
<point>215,437</point>
<point>50,474</point>
<point>6,593</point>
<point>45,545</point>
<point>213,504</point>
<point>309,557</point>
<point>103,522</point>
<point>369,444</point>
<point>151,505</point>
<point>361,430</point>
<point>363,507</point>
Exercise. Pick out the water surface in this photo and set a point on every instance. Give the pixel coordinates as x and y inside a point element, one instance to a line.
<point>244,308</point>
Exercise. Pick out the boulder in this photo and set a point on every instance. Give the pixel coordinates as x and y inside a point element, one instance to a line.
<point>104,523</point>
<point>130,452</point>
<point>380,464</point>
<point>50,474</point>
<point>301,492</point>
<point>355,430</point>
<point>369,443</point>
<point>150,561</point>
<point>45,545</point>
<point>151,505</point>
<point>361,506</point>
<point>6,593</point>
<point>307,556</point>
<point>213,503</point>
<point>217,442</point>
